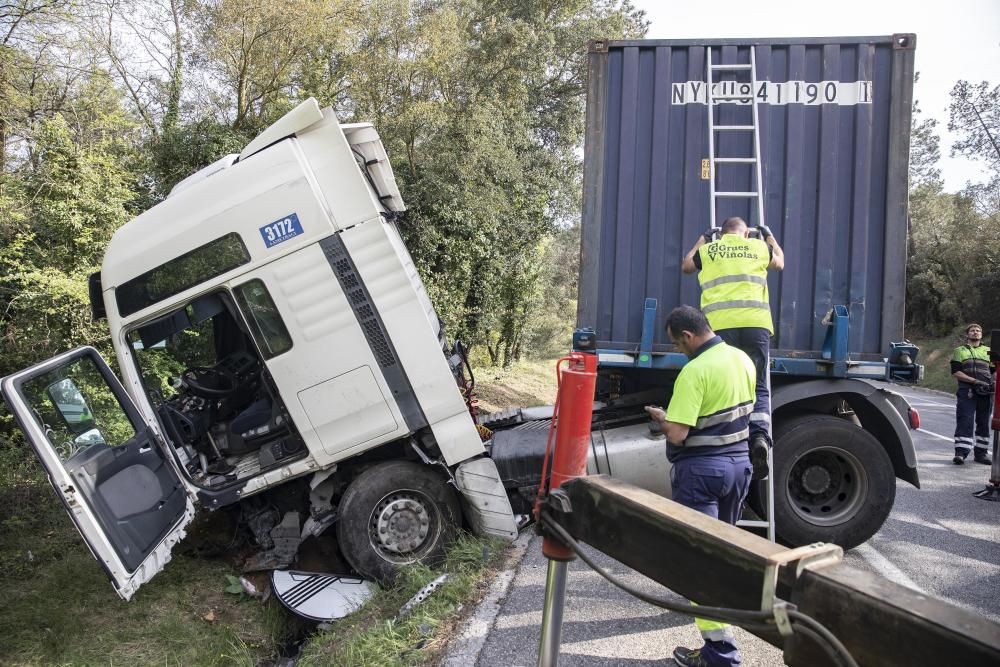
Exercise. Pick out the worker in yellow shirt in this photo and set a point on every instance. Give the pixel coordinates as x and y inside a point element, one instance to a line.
<point>707,426</point>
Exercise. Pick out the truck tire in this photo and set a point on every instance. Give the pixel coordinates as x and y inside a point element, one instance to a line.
<point>834,482</point>
<point>394,514</point>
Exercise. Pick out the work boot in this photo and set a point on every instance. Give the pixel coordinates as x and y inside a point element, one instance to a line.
<point>958,460</point>
<point>688,657</point>
<point>982,457</point>
<point>758,457</point>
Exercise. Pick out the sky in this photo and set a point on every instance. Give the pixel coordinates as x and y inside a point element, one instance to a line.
<point>957,39</point>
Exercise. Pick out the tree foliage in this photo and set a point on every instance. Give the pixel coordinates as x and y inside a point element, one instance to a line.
<point>106,104</point>
<point>953,271</point>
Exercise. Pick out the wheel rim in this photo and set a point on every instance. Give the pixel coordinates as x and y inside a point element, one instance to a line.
<point>403,526</point>
<point>827,486</point>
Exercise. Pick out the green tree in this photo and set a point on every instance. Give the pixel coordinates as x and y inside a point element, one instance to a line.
<point>953,270</point>
<point>56,217</point>
<point>974,116</point>
<point>480,105</point>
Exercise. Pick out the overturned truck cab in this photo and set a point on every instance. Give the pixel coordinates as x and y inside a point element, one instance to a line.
<point>269,325</point>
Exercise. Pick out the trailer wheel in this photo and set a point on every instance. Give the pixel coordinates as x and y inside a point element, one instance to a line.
<point>834,482</point>
<point>394,514</point>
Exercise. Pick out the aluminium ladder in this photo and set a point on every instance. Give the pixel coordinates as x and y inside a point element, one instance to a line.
<point>756,194</point>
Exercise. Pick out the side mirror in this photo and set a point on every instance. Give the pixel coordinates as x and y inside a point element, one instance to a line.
<point>71,406</point>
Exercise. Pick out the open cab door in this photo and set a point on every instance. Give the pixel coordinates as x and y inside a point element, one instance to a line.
<point>104,461</point>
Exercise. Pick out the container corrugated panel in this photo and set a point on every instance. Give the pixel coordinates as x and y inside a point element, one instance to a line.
<point>834,123</point>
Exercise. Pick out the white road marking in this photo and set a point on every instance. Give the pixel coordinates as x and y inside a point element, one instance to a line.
<point>884,567</point>
<point>936,435</point>
<point>932,405</point>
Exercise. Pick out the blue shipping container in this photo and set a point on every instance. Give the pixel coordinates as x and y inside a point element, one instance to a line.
<point>834,135</point>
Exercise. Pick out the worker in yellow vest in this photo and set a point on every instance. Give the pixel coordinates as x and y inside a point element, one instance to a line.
<point>732,272</point>
<point>972,367</point>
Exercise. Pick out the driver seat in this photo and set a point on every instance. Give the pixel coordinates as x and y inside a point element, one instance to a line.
<point>257,424</point>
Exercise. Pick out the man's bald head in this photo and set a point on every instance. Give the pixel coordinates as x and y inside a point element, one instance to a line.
<point>735,225</point>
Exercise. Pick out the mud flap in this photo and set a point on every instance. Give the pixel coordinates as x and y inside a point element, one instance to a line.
<point>485,501</point>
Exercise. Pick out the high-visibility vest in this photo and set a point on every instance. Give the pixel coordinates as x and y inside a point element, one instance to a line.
<point>714,395</point>
<point>974,361</point>
<point>733,279</point>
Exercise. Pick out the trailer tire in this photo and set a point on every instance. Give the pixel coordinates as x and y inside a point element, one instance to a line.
<point>834,482</point>
<point>394,514</point>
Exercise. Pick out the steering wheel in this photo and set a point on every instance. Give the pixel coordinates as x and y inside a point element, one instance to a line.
<point>210,382</point>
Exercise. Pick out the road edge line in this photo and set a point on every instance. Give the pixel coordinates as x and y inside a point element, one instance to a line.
<point>886,568</point>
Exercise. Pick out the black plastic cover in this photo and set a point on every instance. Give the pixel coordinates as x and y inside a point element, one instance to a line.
<point>518,453</point>
<point>97,310</point>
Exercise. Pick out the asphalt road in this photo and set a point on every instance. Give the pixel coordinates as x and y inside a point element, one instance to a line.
<point>938,539</point>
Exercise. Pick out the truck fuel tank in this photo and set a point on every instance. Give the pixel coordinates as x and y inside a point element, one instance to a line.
<point>623,447</point>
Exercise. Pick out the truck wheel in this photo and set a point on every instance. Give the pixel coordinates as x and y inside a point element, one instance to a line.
<point>833,482</point>
<point>394,514</point>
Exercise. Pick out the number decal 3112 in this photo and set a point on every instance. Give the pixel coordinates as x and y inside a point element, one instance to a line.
<point>281,230</point>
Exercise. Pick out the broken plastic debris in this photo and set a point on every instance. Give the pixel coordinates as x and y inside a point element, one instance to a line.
<point>249,588</point>
<point>422,595</point>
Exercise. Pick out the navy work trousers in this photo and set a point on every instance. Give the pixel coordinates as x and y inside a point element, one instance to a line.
<point>972,422</point>
<point>756,342</point>
<point>715,485</point>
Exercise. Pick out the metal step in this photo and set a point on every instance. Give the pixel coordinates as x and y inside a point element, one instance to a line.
<point>731,98</point>
<point>744,66</point>
<point>736,194</point>
<point>721,128</point>
<point>748,523</point>
<point>736,160</point>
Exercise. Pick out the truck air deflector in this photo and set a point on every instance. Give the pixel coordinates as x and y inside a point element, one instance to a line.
<point>374,330</point>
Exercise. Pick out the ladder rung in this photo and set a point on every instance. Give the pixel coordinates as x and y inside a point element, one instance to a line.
<point>746,523</point>
<point>731,98</point>
<point>737,160</point>
<point>736,194</point>
<point>733,127</point>
<point>734,66</point>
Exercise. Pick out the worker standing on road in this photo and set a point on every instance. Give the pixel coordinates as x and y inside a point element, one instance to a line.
<point>732,272</point>
<point>971,366</point>
<point>707,427</point>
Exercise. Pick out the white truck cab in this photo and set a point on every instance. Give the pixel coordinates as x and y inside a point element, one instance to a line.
<point>268,324</point>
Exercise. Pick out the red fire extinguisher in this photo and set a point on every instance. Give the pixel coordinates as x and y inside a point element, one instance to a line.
<point>569,434</point>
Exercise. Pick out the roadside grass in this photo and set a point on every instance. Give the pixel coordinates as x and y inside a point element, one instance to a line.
<point>935,355</point>
<point>524,384</point>
<point>59,607</point>
<point>376,635</point>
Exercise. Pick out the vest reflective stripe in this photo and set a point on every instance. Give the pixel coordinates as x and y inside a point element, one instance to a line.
<point>714,440</point>
<point>741,278</point>
<point>725,416</point>
<point>733,279</point>
<point>714,631</point>
<point>725,305</point>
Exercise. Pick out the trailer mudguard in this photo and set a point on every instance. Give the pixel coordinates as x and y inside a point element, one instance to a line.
<point>880,411</point>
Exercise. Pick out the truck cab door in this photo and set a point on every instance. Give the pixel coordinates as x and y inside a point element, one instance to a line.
<point>104,461</point>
